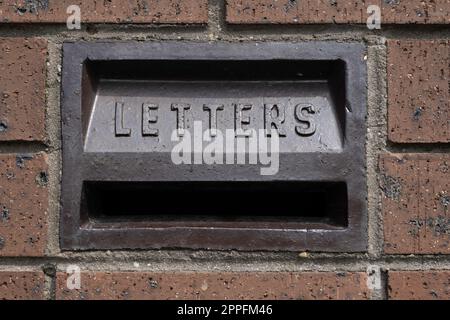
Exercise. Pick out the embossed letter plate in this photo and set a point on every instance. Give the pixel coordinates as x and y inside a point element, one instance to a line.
<point>122,102</point>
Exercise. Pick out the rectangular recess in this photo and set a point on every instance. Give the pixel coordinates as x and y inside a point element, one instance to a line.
<point>121,190</point>
<point>292,204</point>
<point>286,83</point>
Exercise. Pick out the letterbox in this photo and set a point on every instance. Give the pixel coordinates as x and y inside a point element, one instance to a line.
<point>245,146</point>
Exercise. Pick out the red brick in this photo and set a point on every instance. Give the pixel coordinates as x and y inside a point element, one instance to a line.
<point>263,11</point>
<point>100,11</point>
<point>23,204</point>
<point>336,11</point>
<point>416,203</point>
<point>416,11</point>
<point>295,11</point>
<point>24,285</point>
<point>419,285</point>
<point>22,88</point>
<point>190,285</point>
<point>418,91</point>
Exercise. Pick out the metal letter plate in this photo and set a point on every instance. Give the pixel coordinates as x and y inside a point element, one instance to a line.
<point>122,101</point>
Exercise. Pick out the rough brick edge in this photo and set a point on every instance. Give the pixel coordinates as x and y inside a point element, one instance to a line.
<point>23,67</point>
<point>22,285</point>
<point>228,285</point>
<point>418,110</point>
<point>118,11</point>
<point>419,285</point>
<point>23,205</point>
<point>415,193</point>
<point>339,12</point>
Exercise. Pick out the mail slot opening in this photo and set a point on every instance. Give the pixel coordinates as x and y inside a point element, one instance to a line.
<point>278,204</point>
<point>217,69</point>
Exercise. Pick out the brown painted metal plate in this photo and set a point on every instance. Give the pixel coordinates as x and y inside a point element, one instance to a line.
<point>122,102</point>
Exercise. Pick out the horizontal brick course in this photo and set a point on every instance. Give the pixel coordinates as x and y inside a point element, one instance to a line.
<point>419,285</point>
<point>416,11</point>
<point>190,285</point>
<point>416,203</point>
<point>336,11</point>
<point>22,89</point>
<point>99,11</point>
<point>418,91</point>
<point>22,285</point>
<point>23,204</point>
<point>295,11</point>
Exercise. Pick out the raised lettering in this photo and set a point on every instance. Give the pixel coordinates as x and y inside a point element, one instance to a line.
<point>121,131</point>
<point>213,108</point>
<point>181,116</point>
<point>241,122</point>
<point>274,117</point>
<point>148,119</point>
<point>309,126</point>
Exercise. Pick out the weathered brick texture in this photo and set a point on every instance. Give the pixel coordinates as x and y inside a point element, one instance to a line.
<point>294,12</point>
<point>416,11</point>
<point>23,204</point>
<point>414,187</point>
<point>416,203</point>
<point>336,11</point>
<point>22,88</point>
<point>419,285</point>
<point>23,285</point>
<point>263,285</point>
<point>418,91</point>
<point>100,11</point>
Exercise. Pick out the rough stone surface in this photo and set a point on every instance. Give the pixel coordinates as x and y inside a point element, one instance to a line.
<point>418,90</point>
<point>419,285</point>
<point>22,88</point>
<point>416,203</point>
<point>25,285</point>
<point>269,285</point>
<point>23,204</point>
<point>101,11</point>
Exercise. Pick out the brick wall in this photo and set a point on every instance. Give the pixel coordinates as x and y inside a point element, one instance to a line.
<point>408,159</point>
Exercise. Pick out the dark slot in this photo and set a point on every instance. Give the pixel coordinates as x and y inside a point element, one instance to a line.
<point>213,70</point>
<point>278,204</point>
